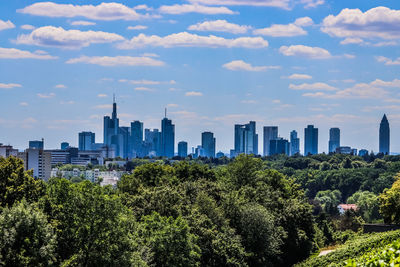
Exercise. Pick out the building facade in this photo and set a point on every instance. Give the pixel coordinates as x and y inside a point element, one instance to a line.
<point>183,149</point>
<point>167,138</point>
<point>86,140</point>
<point>279,146</point>
<point>384,136</point>
<point>246,139</point>
<point>270,133</point>
<point>334,139</point>
<point>294,143</point>
<point>310,140</point>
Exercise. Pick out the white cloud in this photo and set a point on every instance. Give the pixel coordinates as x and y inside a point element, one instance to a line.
<point>28,27</point>
<point>305,51</point>
<point>24,104</point>
<point>105,106</point>
<point>289,30</point>
<point>219,26</point>
<point>193,93</point>
<point>137,28</point>
<point>117,61</point>
<point>379,22</point>
<point>60,86</point>
<point>102,95</point>
<point>241,65</point>
<point>296,76</point>
<point>394,83</point>
<point>13,53</point>
<point>184,9</point>
<point>184,39</point>
<point>351,40</point>
<point>51,95</point>
<point>312,86</point>
<point>5,25</point>
<point>248,101</point>
<point>82,23</point>
<point>145,89</point>
<point>9,85</point>
<point>312,3</point>
<point>284,4</point>
<point>146,82</point>
<point>388,61</point>
<point>69,39</point>
<point>172,105</point>
<point>103,11</point>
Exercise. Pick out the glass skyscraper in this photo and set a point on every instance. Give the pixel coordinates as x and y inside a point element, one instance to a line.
<point>153,138</point>
<point>334,139</point>
<point>208,144</point>
<point>384,136</point>
<point>246,139</point>
<point>310,140</point>
<point>167,138</point>
<point>294,143</point>
<point>136,139</point>
<point>182,149</point>
<point>270,133</point>
<point>86,140</point>
<point>279,146</point>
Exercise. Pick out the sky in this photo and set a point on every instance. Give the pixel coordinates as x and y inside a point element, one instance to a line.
<point>212,63</point>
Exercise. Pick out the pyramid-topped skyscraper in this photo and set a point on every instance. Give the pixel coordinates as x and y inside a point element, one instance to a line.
<point>384,136</point>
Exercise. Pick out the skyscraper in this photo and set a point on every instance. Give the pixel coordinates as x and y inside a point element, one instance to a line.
<point>167,138</point>
<point>86,140</point>
<point>154,139</point>
<point>384,136</point>
<point>310,140</point>
<point>279,146</point>
<point>64,145</point>
<point>136,138</point>
<point>294,143</point>
<point>182,149</point>
<point>112,137</point>
<point>246,139</point>
<point>270,133</point>
<point>334,139</point>
<point>36,144</point>
<point>208,144</point>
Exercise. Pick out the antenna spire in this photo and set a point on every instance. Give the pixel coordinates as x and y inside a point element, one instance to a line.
<point>114,98</point>
<point>165,112</point>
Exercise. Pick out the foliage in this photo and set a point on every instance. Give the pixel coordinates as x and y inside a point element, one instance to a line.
<point>26,239</point>
<point>379,257</point>
<point>390,204</point>
<point>367,203</point>
<point>16,183</point>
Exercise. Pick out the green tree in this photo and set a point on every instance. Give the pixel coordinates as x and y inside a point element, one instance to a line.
<point>329,200</point>
<point>390,203</point>
<point>169,240</point>
<point>243,170</point>
<point>16,183</point>
<point>93,228</point>
<point>367,203</point>
<point>26,238</point>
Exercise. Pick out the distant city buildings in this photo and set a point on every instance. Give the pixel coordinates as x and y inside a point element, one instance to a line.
<point>36,144</point>
<point>86,140</point>
<point>246,139</point>
<point>270,133</point>
<point>279,146</point>
<point>183,149</point>
<point>310,140</point>
<point>384,136</point>
<point>153,141</point>
<point>167,138</point>
<point>334,139</point>
<point>208,144</point>
<point>39,161</point>
<point>7,151</point>
<point>64,145</point>
<point>294,143</point>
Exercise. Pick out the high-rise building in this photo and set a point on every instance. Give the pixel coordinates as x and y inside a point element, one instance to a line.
<point>208,144</point>
<point>154,139</point>
<point>294,143</point>
<point>167,138</point>
<point>384,136</point>
<point>39,161</point>
<point>270,133</point>
<point>86,140</point>
<point>279,146</point>
<point>36,144</point>
<point>124,135</point>
<point>310,140</point>
<point>246,139</point>
<point>182,149</point>
<point>334,139</point>
<point>136,138</point>
<point>64,145</point>
<point>7,151</point>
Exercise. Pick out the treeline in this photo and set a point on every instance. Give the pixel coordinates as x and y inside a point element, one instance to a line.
<point>184,214</point>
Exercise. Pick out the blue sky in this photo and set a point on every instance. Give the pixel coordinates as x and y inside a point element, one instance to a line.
<point>213,63</point>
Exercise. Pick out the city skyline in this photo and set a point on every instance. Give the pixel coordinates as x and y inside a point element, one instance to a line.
<point>212,65</point>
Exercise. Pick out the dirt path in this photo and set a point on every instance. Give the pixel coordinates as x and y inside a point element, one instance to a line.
<point>324,252</point>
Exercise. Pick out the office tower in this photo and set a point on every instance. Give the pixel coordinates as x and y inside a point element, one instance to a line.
<point>64,145</point>
<point>246,139</point>
<point>334,139</point>
<point>294,143</point>
<point>310,140</point>
<point>167,138</point>
<point>39,161</point>
<point>154,139</point>
<point>86,140</point>
<point>363,152</point>
<point>182,149</point>
<point>36,144</point>
<point>279,146</point>
<point>7,151</point>
<point>124,133</point>
<point>384,136</point>
<point>199,152</point>
<point>136,138</point>
<point>208,144</point>
<point>270,133</point>
<point>220,154</point>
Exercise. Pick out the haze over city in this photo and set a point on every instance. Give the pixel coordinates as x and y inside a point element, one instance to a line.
<point>213,64</point>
